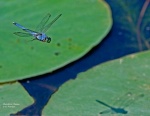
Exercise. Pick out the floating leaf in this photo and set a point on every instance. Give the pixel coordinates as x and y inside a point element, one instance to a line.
<point>120,87</point>
<point>83,24</point>
<point>13,98</point>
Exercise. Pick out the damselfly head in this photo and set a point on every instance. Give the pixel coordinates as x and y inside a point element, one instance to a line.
<point>48,39</point>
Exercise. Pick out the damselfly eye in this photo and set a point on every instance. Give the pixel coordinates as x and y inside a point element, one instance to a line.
<point>48,40</point>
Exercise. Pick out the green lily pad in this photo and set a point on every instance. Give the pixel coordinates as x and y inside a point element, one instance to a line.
<point>82,26</point>
<point>13,98</point>
<point>119,87</point>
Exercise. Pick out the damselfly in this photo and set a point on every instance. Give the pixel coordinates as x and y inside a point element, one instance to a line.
<point>39,33</point>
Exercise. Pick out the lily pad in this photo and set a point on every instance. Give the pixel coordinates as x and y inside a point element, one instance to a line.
<point>13,98</point>
<point>119,87</point>
<point>83,24</point>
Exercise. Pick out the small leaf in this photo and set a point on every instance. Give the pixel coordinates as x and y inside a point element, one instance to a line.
<point>13,98</point>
